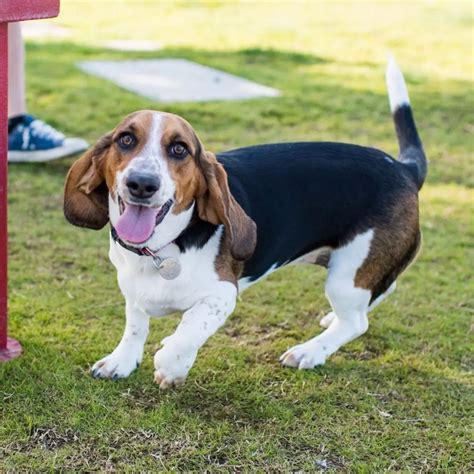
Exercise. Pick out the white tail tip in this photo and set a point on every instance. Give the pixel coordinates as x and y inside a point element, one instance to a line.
<point>397,89</point>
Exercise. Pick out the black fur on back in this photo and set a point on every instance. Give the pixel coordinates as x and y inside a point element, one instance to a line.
<point>307,195</point>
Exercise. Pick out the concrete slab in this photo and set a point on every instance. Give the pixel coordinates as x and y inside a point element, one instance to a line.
<point>176,80</point>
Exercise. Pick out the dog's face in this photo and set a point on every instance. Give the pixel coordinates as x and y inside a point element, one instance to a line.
<point>153,164</point>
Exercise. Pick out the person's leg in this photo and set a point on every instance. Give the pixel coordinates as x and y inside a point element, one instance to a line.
<point>16,71</point>
<point>30,139</point>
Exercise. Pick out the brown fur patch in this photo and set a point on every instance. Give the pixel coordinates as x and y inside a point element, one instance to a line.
<point>218,206</point>
<point>394,245</point>
<point>85,195</point>
<point>226,266</point>
<point>186,173</point>
<point>93,174</point>
<point>320,256</point>
<point>139,124</point>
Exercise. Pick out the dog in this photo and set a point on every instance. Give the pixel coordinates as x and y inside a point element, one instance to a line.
<point>190,229</point>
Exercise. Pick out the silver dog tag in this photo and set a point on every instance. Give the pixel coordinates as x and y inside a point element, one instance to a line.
<point>168,268</point>
<point>167,262</point>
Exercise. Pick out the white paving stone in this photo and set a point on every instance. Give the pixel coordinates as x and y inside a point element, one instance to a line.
<point>176,80</point>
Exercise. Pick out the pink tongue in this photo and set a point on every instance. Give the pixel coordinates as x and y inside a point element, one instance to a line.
<point>136,224</point>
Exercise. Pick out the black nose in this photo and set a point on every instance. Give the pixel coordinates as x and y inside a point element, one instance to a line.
<point>142,186</point>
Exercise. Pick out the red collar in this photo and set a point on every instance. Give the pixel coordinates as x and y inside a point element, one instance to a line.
<point>142,251</point>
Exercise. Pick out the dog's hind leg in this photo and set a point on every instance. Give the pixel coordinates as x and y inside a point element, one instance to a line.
<point>361,274</point>
<point>350,305</point>
<point>330,317</point>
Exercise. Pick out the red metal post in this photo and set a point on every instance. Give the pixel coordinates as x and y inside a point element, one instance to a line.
<point>11,10</point>
<point>3,184</point>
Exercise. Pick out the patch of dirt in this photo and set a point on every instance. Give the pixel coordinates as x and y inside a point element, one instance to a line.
<point>45,438</point>
<point>256,335</point>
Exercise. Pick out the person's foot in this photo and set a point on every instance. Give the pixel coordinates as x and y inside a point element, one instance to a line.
<point>32,140</point>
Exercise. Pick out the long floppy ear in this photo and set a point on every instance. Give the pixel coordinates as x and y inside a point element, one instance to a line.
<point>85,193</point>
<point>218,206</point>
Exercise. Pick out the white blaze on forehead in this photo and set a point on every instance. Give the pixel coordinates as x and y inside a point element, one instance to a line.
<point>151,160</point>
<point>153,145</point>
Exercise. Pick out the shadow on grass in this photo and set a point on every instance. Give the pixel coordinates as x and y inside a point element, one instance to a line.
<point>316,103</point>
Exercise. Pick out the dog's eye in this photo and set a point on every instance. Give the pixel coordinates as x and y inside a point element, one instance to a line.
<point>178,150</point>
<point>127,141</point>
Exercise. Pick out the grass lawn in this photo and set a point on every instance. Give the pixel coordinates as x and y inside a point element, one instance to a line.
<point>399,398</point>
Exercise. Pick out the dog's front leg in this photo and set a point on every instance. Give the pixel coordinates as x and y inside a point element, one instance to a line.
<point>174,360</point>
<point>129,353</point>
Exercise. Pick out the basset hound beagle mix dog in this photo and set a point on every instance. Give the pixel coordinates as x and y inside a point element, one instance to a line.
<point>190,229</point>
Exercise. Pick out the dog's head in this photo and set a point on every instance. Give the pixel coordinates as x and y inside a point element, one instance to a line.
<point>150,165</point>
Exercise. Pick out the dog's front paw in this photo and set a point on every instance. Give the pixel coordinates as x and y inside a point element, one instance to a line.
<point>304,356</point>
<point>117,365</point>
<point>172,366</point>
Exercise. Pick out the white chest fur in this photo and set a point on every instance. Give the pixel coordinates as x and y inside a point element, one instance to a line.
<point>142,285</point>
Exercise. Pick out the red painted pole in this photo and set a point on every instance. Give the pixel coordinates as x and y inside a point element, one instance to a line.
<point>11,10</point>
<point>9,348</point>
<point>3,183</point>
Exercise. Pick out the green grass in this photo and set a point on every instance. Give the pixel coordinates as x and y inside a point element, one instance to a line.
<point>399,398</point>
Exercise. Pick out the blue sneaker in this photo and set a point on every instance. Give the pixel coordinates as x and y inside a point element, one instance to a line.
<point>33,140</point>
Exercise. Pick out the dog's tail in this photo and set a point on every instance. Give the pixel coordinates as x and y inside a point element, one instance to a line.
<point>411,149</point>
